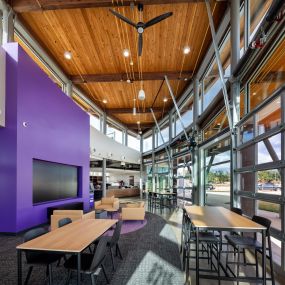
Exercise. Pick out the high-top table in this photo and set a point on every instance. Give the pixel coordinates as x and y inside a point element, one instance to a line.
<point>222,219</point>
<point>72,238</point>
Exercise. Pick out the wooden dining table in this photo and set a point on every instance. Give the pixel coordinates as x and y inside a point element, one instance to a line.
<point>72,239</point>
<point>222,219</point>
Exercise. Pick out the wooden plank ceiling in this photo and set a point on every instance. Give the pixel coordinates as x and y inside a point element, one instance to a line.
<point>97,39</point>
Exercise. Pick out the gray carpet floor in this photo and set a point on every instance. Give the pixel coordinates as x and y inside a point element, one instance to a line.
<point>150,256</point>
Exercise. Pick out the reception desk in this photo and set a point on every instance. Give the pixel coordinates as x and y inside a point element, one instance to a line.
<point>123,192</point>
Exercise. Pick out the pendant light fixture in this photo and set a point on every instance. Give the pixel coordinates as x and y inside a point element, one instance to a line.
<point>141,95</point>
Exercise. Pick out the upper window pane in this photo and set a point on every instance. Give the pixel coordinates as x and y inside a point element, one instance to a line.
<point>216,126</point>
<point>164,134</point>
<point>134,142</point>
<point>95,122</point>
<point>269,117</point>
<point>246,131</point>
<point>147,144</point>
<point>269,78</point>
<point>258,10</point>
<point>115,134</point>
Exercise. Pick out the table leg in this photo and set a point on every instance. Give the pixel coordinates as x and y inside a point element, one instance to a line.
<point>197,256</point>
<point>78,268</point>
<point>264,257</point>
<point>19,258</point>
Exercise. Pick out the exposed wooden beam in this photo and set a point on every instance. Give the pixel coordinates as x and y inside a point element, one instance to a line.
<point>141,125</point>
<point>21,6</point>
<point>130,111</point>
<point>172,75</point>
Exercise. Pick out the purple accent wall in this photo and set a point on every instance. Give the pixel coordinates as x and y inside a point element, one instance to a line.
<point>57,130</point>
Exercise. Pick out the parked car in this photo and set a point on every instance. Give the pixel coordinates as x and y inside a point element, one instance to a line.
<point>209,186</point>
<point>269,186</point>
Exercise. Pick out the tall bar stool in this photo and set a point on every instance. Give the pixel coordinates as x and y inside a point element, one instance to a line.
<point>239,243</point>
<point>209,242</point>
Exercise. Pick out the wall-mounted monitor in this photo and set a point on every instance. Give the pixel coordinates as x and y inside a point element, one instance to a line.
<point>54,181</point>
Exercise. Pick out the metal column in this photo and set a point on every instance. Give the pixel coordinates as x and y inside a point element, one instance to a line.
<point>104,177</point>
<point>69,88</point>
<point>153,160</point>
<point>104,163</point>
<point>8,23</point>
<point>235,93</point>
<point>196,190</point>
<point>141,168</point>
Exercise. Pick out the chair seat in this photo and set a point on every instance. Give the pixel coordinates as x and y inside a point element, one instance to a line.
<point>43,258</point>
<point>242,241</point>
<point>206,237</point>
<point>86,260</point>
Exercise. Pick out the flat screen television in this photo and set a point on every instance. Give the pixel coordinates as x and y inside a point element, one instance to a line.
<point>54,181</point>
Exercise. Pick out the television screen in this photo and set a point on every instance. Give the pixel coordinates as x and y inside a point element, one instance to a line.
<point>53,181</point>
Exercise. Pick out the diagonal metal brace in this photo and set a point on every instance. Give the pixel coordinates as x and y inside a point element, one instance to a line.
<point>176,107</point>
<point>219,63</point>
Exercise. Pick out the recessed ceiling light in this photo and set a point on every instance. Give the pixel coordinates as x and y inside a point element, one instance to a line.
<point>68,55</point>
<point>138,122</point>
<point>165,100</point>
<point>254,93</point>
<point>104,101</point>
<point>131,63</point>
<point>186,50</point>
<point>185,79</point>
<point>126,52</point>
<point>128,81</point>
<point>140,132</point>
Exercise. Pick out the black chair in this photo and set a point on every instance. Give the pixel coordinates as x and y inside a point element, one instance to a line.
<point>210,243</point>
<point>63,222</point>
<point>237,210</point>
<point>113,242</point>
<point>39,257</point>
<point>90,263</point>
<point>239,243</point>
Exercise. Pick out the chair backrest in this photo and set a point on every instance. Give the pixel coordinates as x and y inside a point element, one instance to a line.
<point>64,221</point>
<point>237,210</point>
<point>99,254</point>
<point>262,221</point>
<point>32,234</point>
<point>116,235</point>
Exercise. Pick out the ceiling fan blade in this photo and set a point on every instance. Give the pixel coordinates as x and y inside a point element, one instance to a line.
<point>140,44</point>
<point>157,19</point>
<point>123,18</point>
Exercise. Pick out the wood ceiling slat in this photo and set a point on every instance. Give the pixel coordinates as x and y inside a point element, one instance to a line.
<point>96,40</point>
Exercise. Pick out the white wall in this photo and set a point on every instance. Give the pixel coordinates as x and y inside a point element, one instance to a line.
<point>102,146</point>
<point>2,86</point>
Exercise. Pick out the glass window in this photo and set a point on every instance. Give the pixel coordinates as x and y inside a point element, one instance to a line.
<point>269,149</point>
<point>216,126</point>
<point>165,135</point>
<point>258,10</point>
<point>269,181</point>
<point>114,133</point>
<point>247,156</point>
<point>269,117</point>
<point>247,181</point>
<point>133,142</point>
<point>247,206</point>
<point>269,78</point>
<point>271,211</point>
<point>147,144</point>
<point>246,131</point>
<point>95,122</point>
<point>217,174</point>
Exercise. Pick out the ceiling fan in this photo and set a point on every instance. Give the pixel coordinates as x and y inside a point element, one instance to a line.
<point>140,26</point>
